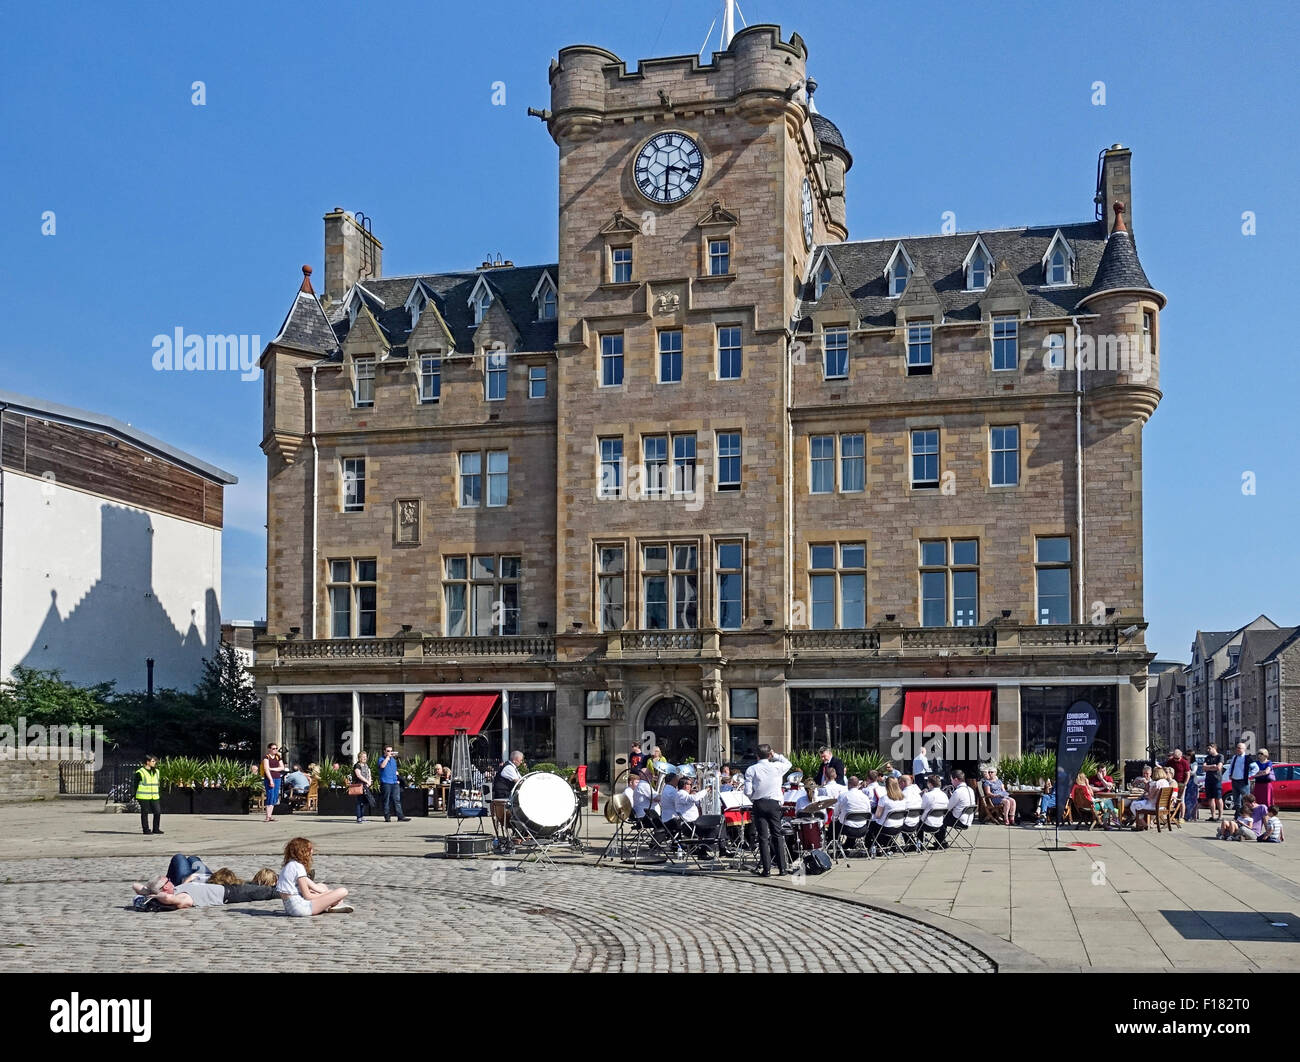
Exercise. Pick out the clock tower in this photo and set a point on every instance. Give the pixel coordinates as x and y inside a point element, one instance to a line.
<point>691,196</point>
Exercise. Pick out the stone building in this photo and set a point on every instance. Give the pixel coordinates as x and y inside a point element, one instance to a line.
<point>1165,694</point>
<point>719,474</point>
<point>1205,714</point>
<point>1269,691</point>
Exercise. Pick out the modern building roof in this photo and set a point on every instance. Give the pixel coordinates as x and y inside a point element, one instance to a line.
<point>42,408</point>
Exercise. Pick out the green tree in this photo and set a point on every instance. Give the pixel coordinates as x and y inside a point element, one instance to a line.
<point>226,694</point>
<point>47,699</point>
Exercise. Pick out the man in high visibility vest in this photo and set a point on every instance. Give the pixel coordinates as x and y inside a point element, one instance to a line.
<point>146,794</point>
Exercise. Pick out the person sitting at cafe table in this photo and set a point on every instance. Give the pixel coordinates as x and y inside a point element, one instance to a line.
<point>1082,795</point>
<point>1046,806</point>
<point>1144,807</point>
<point>996,791</point>
<point>1100,781</point>
<point>297,781</point>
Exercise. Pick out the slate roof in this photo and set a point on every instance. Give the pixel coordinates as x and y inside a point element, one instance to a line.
<point>1119,266</point>
<point>306,328</point>
<point>1285,645</point>
<point>828,132</point>
<point>511,286</point>
<point>1213,641</point>
<point>1268,644</point>
<point>40,407</point>
<point>862,265</point>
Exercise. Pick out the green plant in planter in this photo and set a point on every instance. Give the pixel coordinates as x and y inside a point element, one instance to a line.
<point>331,777</point>
<point>1010,769</point>
<point>180,772</point>
<point>415,772</point>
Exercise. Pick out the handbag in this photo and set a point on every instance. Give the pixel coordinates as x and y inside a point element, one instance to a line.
<point>356,789</point>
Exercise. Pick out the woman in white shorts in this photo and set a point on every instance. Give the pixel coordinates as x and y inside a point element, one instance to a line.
<point>303,897</point>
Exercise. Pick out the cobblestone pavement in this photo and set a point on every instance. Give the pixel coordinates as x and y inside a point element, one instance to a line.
<point>425,914</point>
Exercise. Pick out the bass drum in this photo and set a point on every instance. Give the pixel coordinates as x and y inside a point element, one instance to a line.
<point>544,803</point>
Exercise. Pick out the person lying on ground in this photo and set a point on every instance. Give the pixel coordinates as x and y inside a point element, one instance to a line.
<point>160,894</point>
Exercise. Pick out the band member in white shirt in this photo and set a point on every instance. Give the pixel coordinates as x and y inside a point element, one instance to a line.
<point>874,787</point>
<point>688,802</point>
<point>911,793</point>
<point>892,801</point>
<point>853,801</point>
<point>833,785</point>
<point>642,795</point>
<point>809,794</point>
<point>962,798</point>
<point>763,787</point>
<point>934,798</point>
<point>668,800</point>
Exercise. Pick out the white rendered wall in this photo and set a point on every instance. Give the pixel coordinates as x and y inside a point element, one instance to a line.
<point>93,588</point>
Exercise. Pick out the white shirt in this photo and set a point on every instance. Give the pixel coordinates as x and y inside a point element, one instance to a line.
<point>668,803</point>
<point>1242,768</point>
<point>853,802</point>
<point>836,790</point>
<point>875,791</point>
<point>962,798</point>
<point>887,805</point>
<point>642,797</point>
<point>933,800</point>
<point>688,805</point>
<point>921,765</point>
<point>912,796</point>
<point>287,882</point>
<point>510,773</point>
<point>763,779</point>
<point>804,800</point>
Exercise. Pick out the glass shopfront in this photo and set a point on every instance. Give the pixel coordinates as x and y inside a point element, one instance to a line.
<point>532,725</point>
<point>382,718</point>
<point>846,718</point>
<point>1043,707</point>
<point>317,727</point>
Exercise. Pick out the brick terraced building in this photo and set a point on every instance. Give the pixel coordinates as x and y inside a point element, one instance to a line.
<point>720,474</point>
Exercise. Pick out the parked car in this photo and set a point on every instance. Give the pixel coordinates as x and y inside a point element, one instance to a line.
<point>1286,790</point>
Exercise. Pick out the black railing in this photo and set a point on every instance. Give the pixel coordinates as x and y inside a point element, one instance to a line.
<point>114,780</point>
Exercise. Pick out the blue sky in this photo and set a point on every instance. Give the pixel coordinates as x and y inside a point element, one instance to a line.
<point>173,215</point>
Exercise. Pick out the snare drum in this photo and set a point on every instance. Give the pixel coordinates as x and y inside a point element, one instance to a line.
<point>810,834</point>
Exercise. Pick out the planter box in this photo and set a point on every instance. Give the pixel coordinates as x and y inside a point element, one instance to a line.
<point>415,802</point>
<point>176,801</point>
<point>221,801</point>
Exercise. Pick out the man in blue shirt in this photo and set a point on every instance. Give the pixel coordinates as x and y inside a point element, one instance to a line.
<point>390,789</point>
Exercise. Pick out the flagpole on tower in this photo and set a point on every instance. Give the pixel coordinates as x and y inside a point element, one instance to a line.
<point>728,23</point>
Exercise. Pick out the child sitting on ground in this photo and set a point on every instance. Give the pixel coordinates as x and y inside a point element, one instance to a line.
<point>1272,826</point>
<point>1243,824</point>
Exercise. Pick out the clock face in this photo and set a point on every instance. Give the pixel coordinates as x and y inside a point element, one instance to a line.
<point>806,203</point>
<point>668,168</point>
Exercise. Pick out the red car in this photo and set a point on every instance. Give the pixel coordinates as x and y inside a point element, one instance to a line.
<point>1286,789</point>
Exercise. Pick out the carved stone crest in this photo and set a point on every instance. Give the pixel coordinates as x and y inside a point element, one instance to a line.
<point>407,530</point>
<point>667,303</point>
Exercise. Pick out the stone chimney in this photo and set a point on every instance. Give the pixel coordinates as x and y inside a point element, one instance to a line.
<point>351,253</point>
<point>1116,185</point>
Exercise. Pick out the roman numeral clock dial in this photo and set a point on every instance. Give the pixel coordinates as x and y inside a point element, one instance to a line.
<point>668,168</point>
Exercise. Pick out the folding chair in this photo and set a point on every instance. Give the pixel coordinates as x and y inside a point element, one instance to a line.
<point>931,824</point>
<point>886,840</point>
<point>962,825</point>
<point>701,836</point>
<point>653,836</point>
<point>854,829</point>
<point>911,825</point>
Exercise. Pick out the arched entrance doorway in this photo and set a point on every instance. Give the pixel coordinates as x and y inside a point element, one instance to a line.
<point>676,728</point>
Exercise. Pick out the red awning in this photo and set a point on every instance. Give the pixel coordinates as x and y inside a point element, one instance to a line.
<point>442,714</point>
<point>945,710</point>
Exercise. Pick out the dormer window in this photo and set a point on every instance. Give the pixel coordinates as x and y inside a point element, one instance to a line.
<point>979,266</point>
<point>416,303</point>
<point>822,281</point>
<point>1058,268</point>
<point>480,299</point>
<point>544,295</point>
<point>1058,263</point>
<point>898,271</point>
